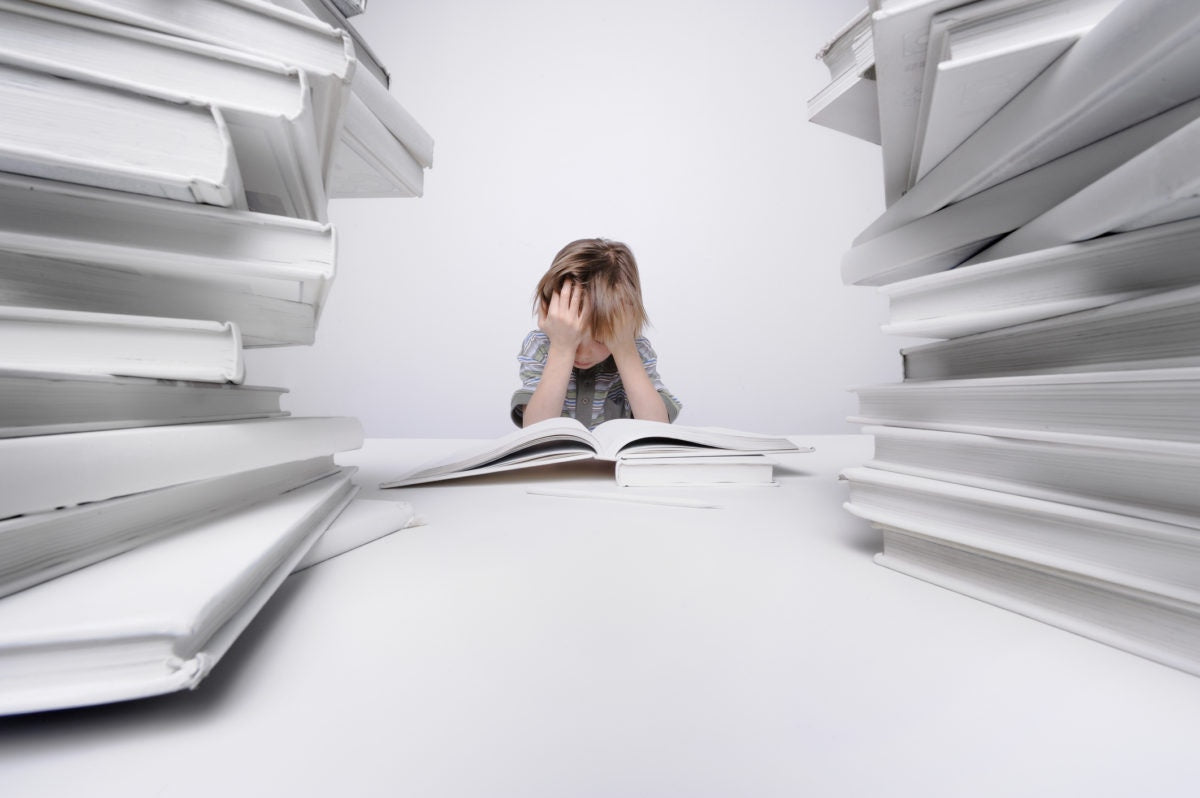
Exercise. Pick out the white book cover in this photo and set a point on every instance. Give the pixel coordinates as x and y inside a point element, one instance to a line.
<point>1128,407</point>
<point>149,146</point>
<point>272,257</point>
<point>266,105</point>
<point>159,617</point>
<point>77,342</point>
<point>43,472</point>
<point>38,547</point>
<point>1044,283</point>
<point>980,55</point>
<point>1137,62</point>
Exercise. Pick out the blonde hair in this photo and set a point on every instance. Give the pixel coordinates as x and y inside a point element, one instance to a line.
<point>608,276</point>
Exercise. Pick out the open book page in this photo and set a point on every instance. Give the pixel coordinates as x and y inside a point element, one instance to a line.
<point>551,441</point>
<point>625,437</point>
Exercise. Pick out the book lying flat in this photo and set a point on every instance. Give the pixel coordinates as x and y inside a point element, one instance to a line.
<point>149,146</point>
<point>157,618</point>
<point>253,306</point>
<point>220,251</point>
<point>76,342</point>
<point>1157,331</point>
<point>558,440</point>
<point>1145,479</point>
<point>1048,282</point>
<point>43,472</point>
<point>40,403</point>
<point>695,471</point>
<point>1127,406</point>
<point>1146,623</point>
<point>1114,547</point>
<point>37,547</point>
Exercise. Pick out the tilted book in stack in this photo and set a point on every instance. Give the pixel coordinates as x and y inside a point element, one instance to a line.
<point>1042,452</point>
<point>165,171</point>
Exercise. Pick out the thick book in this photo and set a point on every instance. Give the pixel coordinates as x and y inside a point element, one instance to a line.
<point>1113,547</point>
<point>157,618</point>
<point>149,146</point>
<point>949,236</point>
<point>979,56</point>
<point>1138,61</point>
<point>1149,332</point>
<point>695,470</point>
<point>1045,283</point>
<point>1147,479</point>
<point>41,546</point>
<point>1125,406</point>
<point>78,342</point>
<point>335,14</point>
<point>266,105</point>
<point>562,439</point>
<point>323,54</point>
<point>44,472</point>
<point>261,314</point>
<point>1140,187</point>
<point>1158,626</point>
<point>269,274</point>
<point>42,403</point>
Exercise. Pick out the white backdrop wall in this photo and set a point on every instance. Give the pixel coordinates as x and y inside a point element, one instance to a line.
<point>676,126</point>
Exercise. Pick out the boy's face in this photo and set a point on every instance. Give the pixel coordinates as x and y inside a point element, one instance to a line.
<point>590,352</point>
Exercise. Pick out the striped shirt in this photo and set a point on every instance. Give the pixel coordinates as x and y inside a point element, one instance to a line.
<point>594,395</point>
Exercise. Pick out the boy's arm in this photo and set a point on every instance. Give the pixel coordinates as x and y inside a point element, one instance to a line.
<point>643,396</point>
<point>563,324</point>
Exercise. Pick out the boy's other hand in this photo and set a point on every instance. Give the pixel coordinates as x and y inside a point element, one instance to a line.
<point>565,320</point>
<point>624,335</point>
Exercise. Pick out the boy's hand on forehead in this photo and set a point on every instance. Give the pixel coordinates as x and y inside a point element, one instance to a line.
<point>624,334</point>
<point>564,321</point>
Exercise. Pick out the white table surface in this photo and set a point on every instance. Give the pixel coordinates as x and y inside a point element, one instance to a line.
<point>522,645</point>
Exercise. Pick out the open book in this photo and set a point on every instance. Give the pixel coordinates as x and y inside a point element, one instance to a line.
<point>559,440</point>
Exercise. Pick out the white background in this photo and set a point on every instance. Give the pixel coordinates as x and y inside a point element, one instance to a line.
<point>677,126</point>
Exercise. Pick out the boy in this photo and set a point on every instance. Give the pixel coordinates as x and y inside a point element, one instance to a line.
<point>587,359</point>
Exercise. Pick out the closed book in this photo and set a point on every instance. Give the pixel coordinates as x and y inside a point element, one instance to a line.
<point>44,403</point>
<point>1126,406</point>
<point>157,618</point>
<point>44,472</point>
<point>77,342</point>
<point>700,471</point>
<point>41,546</point>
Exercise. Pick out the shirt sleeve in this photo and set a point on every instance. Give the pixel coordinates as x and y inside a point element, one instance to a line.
<point>650,363</point>
<point>531,362</point>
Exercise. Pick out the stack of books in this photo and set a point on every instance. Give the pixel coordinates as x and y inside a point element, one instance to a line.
<point>165,173</point>
<point>1043,449</point>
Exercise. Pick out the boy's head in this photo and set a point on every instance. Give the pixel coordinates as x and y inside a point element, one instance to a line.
<point>608,276</point>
